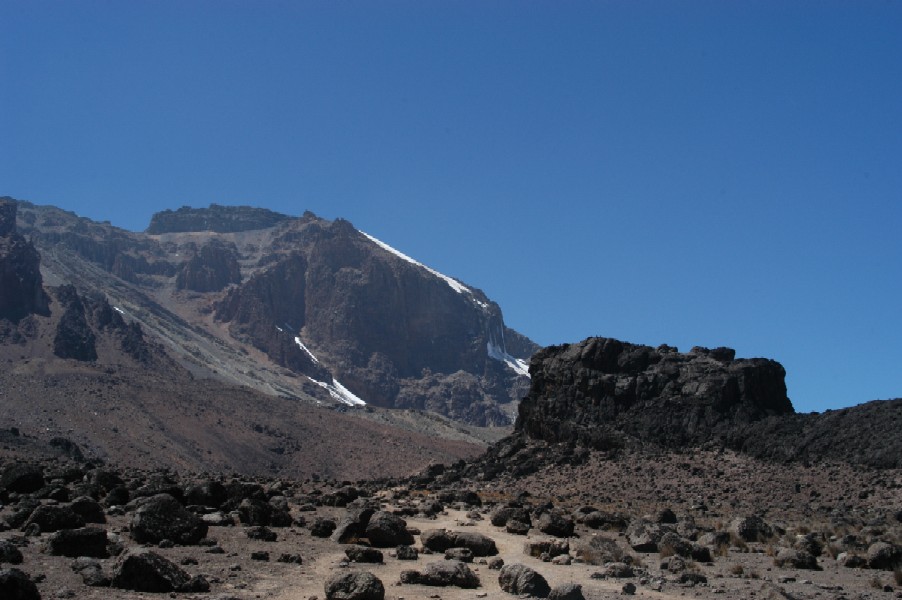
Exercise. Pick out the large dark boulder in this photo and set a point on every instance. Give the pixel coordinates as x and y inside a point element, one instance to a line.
<point>884,556</point>
<point>22,478</point>
<point>15,585</point>
<point>354,586</point>
<point>146,571</point>
<point>162,517</point>
<point>51,517</point>
<point>556,523</point>
<point>443,574</point>
<point>89,509</point>
<point>88,541</point>
<point>520,579</point>
<point>10,553</point>
<point>386,530</point>
<point>599,389</point>
<point>439,540</point>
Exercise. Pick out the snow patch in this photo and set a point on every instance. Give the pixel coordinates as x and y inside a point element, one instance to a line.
<point>340,392</point>
<point>455,285</point>
<point>119,310</point>
<point>298,341</point>
<point>517,364</point>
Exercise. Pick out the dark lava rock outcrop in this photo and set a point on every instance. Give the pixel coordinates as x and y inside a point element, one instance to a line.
<point>596,391</point>
<point>212,268</point>
<point>20,274</point>
<point>221,219</point>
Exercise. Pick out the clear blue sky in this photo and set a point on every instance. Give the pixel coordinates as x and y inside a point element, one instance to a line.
<point>682,172</point>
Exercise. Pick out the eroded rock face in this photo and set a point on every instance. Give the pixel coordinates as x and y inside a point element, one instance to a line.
<point>403,336</point>
<point>213,267</point>
<point>221,219</point>
<point>598,389</point>
<point>20,273</point>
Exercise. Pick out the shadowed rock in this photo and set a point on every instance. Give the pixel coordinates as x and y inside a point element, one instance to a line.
<point>164,518</point>
<point>520,579</point>
<point>354,586</point>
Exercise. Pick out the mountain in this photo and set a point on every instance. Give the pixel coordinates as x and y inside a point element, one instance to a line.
<point>298,307</point>
<point>143,386</point>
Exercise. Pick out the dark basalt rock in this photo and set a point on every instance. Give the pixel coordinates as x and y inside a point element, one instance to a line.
<point>22,478</point>
<point>162,517</point>
<point>386,530</point>
<point>88,541</point>
<point>20,273</point>
<point>74,337</point>
<point>600,389</point>
<point>354,586</point>
<point>49,517</point>
<point>443,574</point>
<point>146,571</point>
<point>520,579</point>
<point>439,540</point>
<point>15,585</point>
<point>221,219</point>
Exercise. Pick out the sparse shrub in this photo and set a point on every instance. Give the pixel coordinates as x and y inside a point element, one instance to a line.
<point>737,570</point>
<point>665,551</point>
<point>738,543</point>
<point>833,550</point>
<point>770,550</point>
<point>876,583</point>
<point>897,574</point>
<point>754,575</point>
<point>722,550</point>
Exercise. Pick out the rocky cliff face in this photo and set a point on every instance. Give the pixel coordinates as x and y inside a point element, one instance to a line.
<point>394,332</point>
<point>601,392</point>
<point>221,219</point>
<point>21,285</point>
<point>212,268</point>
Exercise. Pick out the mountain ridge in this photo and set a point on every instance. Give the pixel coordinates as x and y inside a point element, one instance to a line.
<point>318,299</point>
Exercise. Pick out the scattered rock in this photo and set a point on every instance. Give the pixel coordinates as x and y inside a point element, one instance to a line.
<point>147,571</point>
<point>322,527</point>
<point>386,530</point>
<point>88,541</point>
<point>15,585</point>
<point>354,586</point>
<point>520,579</point>
<point>443,574</point>
<point>162,517</point>
<point>567,591</point>
<point>363,554</point>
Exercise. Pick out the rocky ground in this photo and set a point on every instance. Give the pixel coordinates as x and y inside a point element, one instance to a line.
<point>693,525</point>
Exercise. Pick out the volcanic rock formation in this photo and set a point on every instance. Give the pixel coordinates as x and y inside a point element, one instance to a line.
<point>601,388</point>
<point>20,274</point>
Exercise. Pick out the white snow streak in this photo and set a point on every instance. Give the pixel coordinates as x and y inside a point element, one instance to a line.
<point>455,285</point>
<point>340,392</point>
<point>119,310</point>
<point>517,364</point>
<point>335,389</point>
<point>298,341</point>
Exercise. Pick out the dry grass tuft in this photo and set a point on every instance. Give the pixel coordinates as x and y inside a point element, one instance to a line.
<point>737,570</point>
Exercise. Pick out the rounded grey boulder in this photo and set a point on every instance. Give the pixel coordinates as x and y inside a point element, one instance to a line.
<point>520,579</point>
<point>354,586</point>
